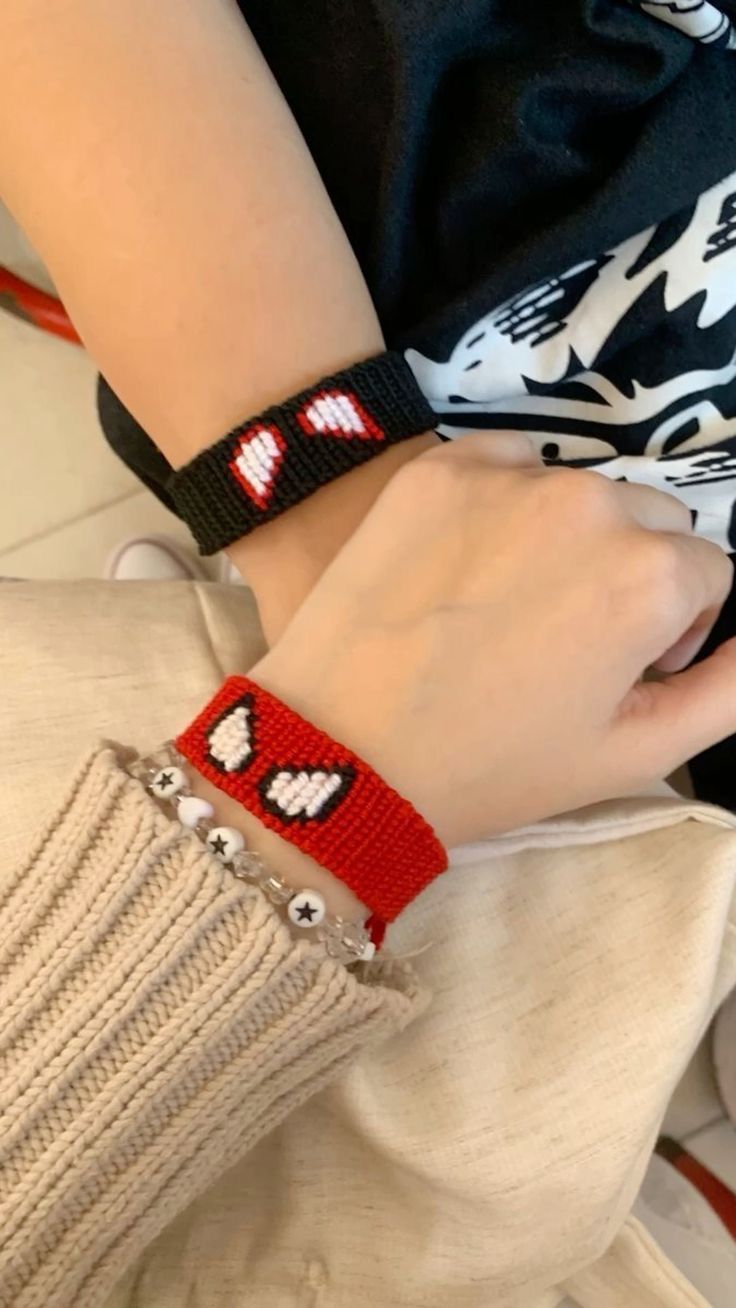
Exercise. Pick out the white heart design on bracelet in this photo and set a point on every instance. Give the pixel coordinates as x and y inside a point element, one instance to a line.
<point>302,794</point>
<point>338,413</point>
<point>192,810</point>
<point>258,457</point>
<point>230,741</point>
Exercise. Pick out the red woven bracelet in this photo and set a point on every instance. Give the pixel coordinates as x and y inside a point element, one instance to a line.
<point>316,794</point>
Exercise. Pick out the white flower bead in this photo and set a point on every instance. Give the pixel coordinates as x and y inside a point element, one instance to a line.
<point>307,909</point>
<point>168,782</point>
<point>224,843</point>
<point>191,810</point>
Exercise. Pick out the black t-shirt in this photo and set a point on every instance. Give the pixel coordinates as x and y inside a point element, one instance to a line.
<point>474,147</point>
<point>479,151</point>
<point>542,197</point>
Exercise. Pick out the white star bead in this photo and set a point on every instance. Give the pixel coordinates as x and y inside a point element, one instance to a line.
<point>224,843</point>
<point>192,810</point>
<point>307,909</point>
<point>168,782</point>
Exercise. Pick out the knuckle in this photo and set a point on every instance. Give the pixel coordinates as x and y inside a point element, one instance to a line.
<point>679,511</point>
<point>588,496</point>
<point>661,563</point>
<point>597,493</point>
<point>434,477</point>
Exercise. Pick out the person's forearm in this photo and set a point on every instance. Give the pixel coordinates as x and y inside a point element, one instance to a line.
<point>157,168</point>
<point>150,156</point>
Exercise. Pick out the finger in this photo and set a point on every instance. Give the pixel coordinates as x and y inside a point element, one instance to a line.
<point>696,579</point>
<point>716,572</point>
<point>500,449</point>
<point>681,654</point>
<point>666,722</point>
<point>655,509</point>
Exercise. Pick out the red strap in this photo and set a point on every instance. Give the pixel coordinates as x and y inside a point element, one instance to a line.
<point>316,794</point>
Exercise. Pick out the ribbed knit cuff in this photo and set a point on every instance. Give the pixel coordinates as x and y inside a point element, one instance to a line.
<point>156,1020</point>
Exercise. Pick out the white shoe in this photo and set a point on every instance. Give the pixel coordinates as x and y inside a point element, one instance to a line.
<point>152,558</point>
<point>227,573</point>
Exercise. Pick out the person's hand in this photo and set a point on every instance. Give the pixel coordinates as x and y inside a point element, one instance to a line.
<point>284,559</point>
<point>481,639</point>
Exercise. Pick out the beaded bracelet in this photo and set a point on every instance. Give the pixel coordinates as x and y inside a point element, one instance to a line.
<point>164,777</point>
<point>271,462</point>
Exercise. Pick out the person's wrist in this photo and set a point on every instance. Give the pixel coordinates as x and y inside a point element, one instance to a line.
<point>283,560</point>
<point>323,688</point>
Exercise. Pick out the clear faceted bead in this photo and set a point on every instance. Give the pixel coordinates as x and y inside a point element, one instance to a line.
<point>277,892</point>
<point>245,867</point>
<point>142,770</point>
<point>256,865</point>
<point>329,929</point>
<point>354,938</point>
<point>330,933</point>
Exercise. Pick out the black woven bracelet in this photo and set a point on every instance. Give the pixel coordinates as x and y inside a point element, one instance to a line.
<point>270,463</point>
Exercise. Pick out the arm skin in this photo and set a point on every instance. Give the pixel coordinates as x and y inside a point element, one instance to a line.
<point>151,158</point>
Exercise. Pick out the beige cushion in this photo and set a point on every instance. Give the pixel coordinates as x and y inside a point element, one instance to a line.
<point>492,1154</point>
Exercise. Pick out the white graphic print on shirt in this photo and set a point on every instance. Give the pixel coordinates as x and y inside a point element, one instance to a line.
<point>626,363</point>
<point>697,18</point>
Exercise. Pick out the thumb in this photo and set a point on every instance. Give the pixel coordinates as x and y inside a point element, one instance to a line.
<point>675,718</point>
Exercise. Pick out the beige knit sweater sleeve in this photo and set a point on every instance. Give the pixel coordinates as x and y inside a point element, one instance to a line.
<point>156,1019</point>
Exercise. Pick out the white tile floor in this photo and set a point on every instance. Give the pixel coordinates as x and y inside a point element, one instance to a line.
<point>65,501</point>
